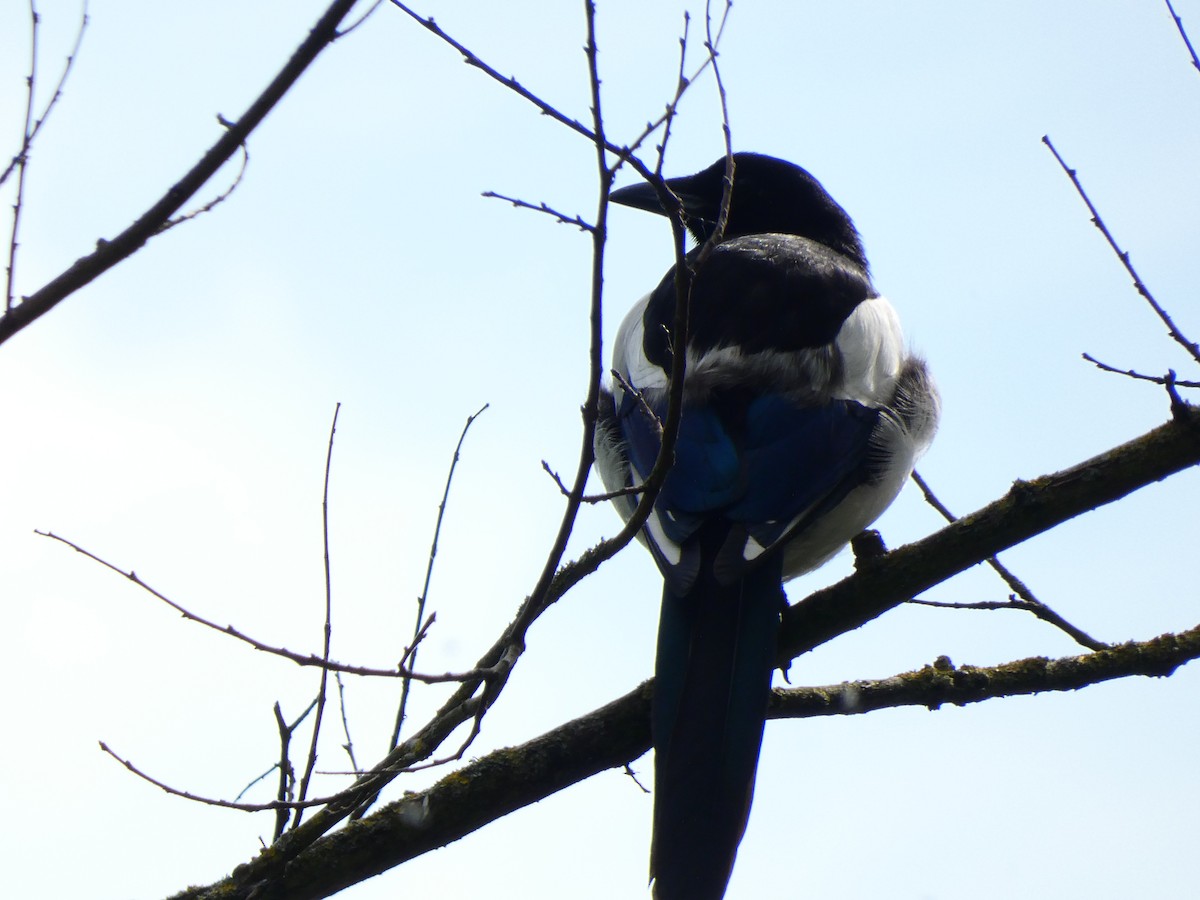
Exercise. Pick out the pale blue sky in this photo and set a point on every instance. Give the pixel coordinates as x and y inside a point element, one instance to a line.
<point>172,417</point>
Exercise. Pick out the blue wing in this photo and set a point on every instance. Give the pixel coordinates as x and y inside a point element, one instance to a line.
<point>763,463</point>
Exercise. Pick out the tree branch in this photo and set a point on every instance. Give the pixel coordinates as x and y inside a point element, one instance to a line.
<point>618,733</point>
<point>109,253</point>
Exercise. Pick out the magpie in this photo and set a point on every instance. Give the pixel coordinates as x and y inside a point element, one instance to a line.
<point>803,415</point>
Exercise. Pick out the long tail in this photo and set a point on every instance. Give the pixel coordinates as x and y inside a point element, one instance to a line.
<point>716,652</point>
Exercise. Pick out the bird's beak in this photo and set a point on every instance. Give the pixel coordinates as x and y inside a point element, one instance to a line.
<point>643,196</point>
<point>639,196</point>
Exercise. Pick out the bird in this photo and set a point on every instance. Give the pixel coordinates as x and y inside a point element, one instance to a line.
<point>803,416</point>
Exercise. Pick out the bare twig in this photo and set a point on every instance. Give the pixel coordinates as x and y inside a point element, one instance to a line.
<point>23,158</point>
<point>633,776</point>
<point>575,220</point>
<point>422,624</point>
<point>327,632</point>
<point>287,775</point>
<point>606,497</point>
<point>1130,373</point>
<point>1192,348</point>
<point>682,83</point>
<point>300,659</point>
<point>361,19</point>
<point>221,197</point>
<point>1028,601</point>
<point>349,745</point>
<point>472,59</point>
<point>1183,34</point>
<point>214,801</point>
<point>242,793</point>
<point>667,119</point>
<point>31,133</point>
<point>420,636</point>
<point>20,162</point>
<point>109,253</point>
<point>643,405</point>
<point>710,45</point>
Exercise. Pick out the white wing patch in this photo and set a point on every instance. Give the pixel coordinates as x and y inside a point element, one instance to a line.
<point>629,357</point>
<point>871,345</point>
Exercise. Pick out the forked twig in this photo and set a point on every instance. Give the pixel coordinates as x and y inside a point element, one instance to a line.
<point>282,792</point>
<point>31,133</point>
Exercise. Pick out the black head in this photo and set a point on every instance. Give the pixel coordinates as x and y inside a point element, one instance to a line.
<point>769,196</point>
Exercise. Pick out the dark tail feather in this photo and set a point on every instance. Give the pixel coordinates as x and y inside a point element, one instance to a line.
<point>716,653</point>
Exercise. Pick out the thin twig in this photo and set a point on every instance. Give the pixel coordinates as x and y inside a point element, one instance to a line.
<point>361,19</point>
<point>23,159</point>
<point>710,44</point>
<point>27,142</point>
<point>575,220</point>
<point>475,61</point>
<point>214,801</point>
<point>421,626</point>
<point>1183,34</point>
<point>287,775</point>
<point>633,776</point>
<point>606,497</point>
<point>242,793</point>
<point>349,745</point>
<point>471,59</point>
<point>1027,601</point>
<point>420,636</point>
<point>327,633</point>
<point>1190,346</point>
<point>299,659</point>
<point>643,404</point>
<point>681,84</point>
<point>1130,373</point>
<point>221,197</point>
